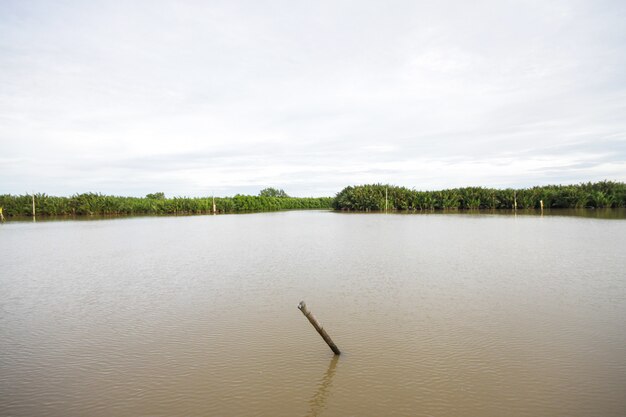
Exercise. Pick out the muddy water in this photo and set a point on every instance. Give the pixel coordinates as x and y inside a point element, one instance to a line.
<point>442,315</point>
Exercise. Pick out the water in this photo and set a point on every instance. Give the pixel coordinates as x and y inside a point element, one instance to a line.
<point>443,315</point>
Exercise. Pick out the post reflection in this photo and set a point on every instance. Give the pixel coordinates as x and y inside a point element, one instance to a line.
<point>318,402</point>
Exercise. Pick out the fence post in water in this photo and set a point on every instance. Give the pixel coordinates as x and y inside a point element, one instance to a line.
<point>307,313</point>
<point>385,199</point>
<point>33,204</point>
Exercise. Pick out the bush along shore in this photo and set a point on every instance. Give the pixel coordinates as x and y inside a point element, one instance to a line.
<point>372,197</point>
<point>152,204</point>
<point>375,197</point>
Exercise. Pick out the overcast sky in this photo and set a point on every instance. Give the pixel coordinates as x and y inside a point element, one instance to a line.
<point>225,97</point>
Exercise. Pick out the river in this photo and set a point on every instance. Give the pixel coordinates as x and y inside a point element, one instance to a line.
<point>435,315</point>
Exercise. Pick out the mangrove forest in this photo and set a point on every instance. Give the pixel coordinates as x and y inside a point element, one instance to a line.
<point>372,197</point>
<point>604,194</point>
<point>152,204</point>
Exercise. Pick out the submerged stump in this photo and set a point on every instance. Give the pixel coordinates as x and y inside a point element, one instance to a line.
<point>307,313</point>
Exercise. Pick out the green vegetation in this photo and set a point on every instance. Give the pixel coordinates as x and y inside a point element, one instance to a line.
<point>272,192</point>
<point>156,196</point>
<point>603,194</point>
<point>372,197</point>
<point>98,204</point>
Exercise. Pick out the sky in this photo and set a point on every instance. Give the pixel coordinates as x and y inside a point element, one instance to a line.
<point>194,98</point>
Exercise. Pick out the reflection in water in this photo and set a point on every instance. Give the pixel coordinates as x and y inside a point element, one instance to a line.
<point>318,402</point>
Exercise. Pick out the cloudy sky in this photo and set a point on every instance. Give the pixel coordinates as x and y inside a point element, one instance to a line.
<point>225,97</point>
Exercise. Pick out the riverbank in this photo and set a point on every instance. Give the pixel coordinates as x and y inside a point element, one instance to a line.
<point>380,197</point>
<point>91,204</point>
<point>371,197</point>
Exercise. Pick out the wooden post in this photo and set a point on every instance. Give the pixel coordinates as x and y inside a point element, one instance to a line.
<point>214,208</point>
<point>515,200</point>
<point>1,215</point>
<point>541,204</point>
<point>33,204</point>
<point>307,313</point>
<point>385,199</point>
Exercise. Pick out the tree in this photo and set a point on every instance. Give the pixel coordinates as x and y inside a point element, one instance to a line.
<point>272,192</point>
<point>156,196</point>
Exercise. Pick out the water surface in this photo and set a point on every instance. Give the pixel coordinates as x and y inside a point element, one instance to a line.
<point>439,314</point>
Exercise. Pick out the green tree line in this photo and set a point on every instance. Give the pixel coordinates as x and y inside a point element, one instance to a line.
<point>98,204</point>
<point>602,194</point>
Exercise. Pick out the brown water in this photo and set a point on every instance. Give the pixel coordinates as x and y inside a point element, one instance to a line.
<point>442,315</point>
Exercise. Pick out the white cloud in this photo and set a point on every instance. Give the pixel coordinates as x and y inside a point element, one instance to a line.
<point>195,97</point>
